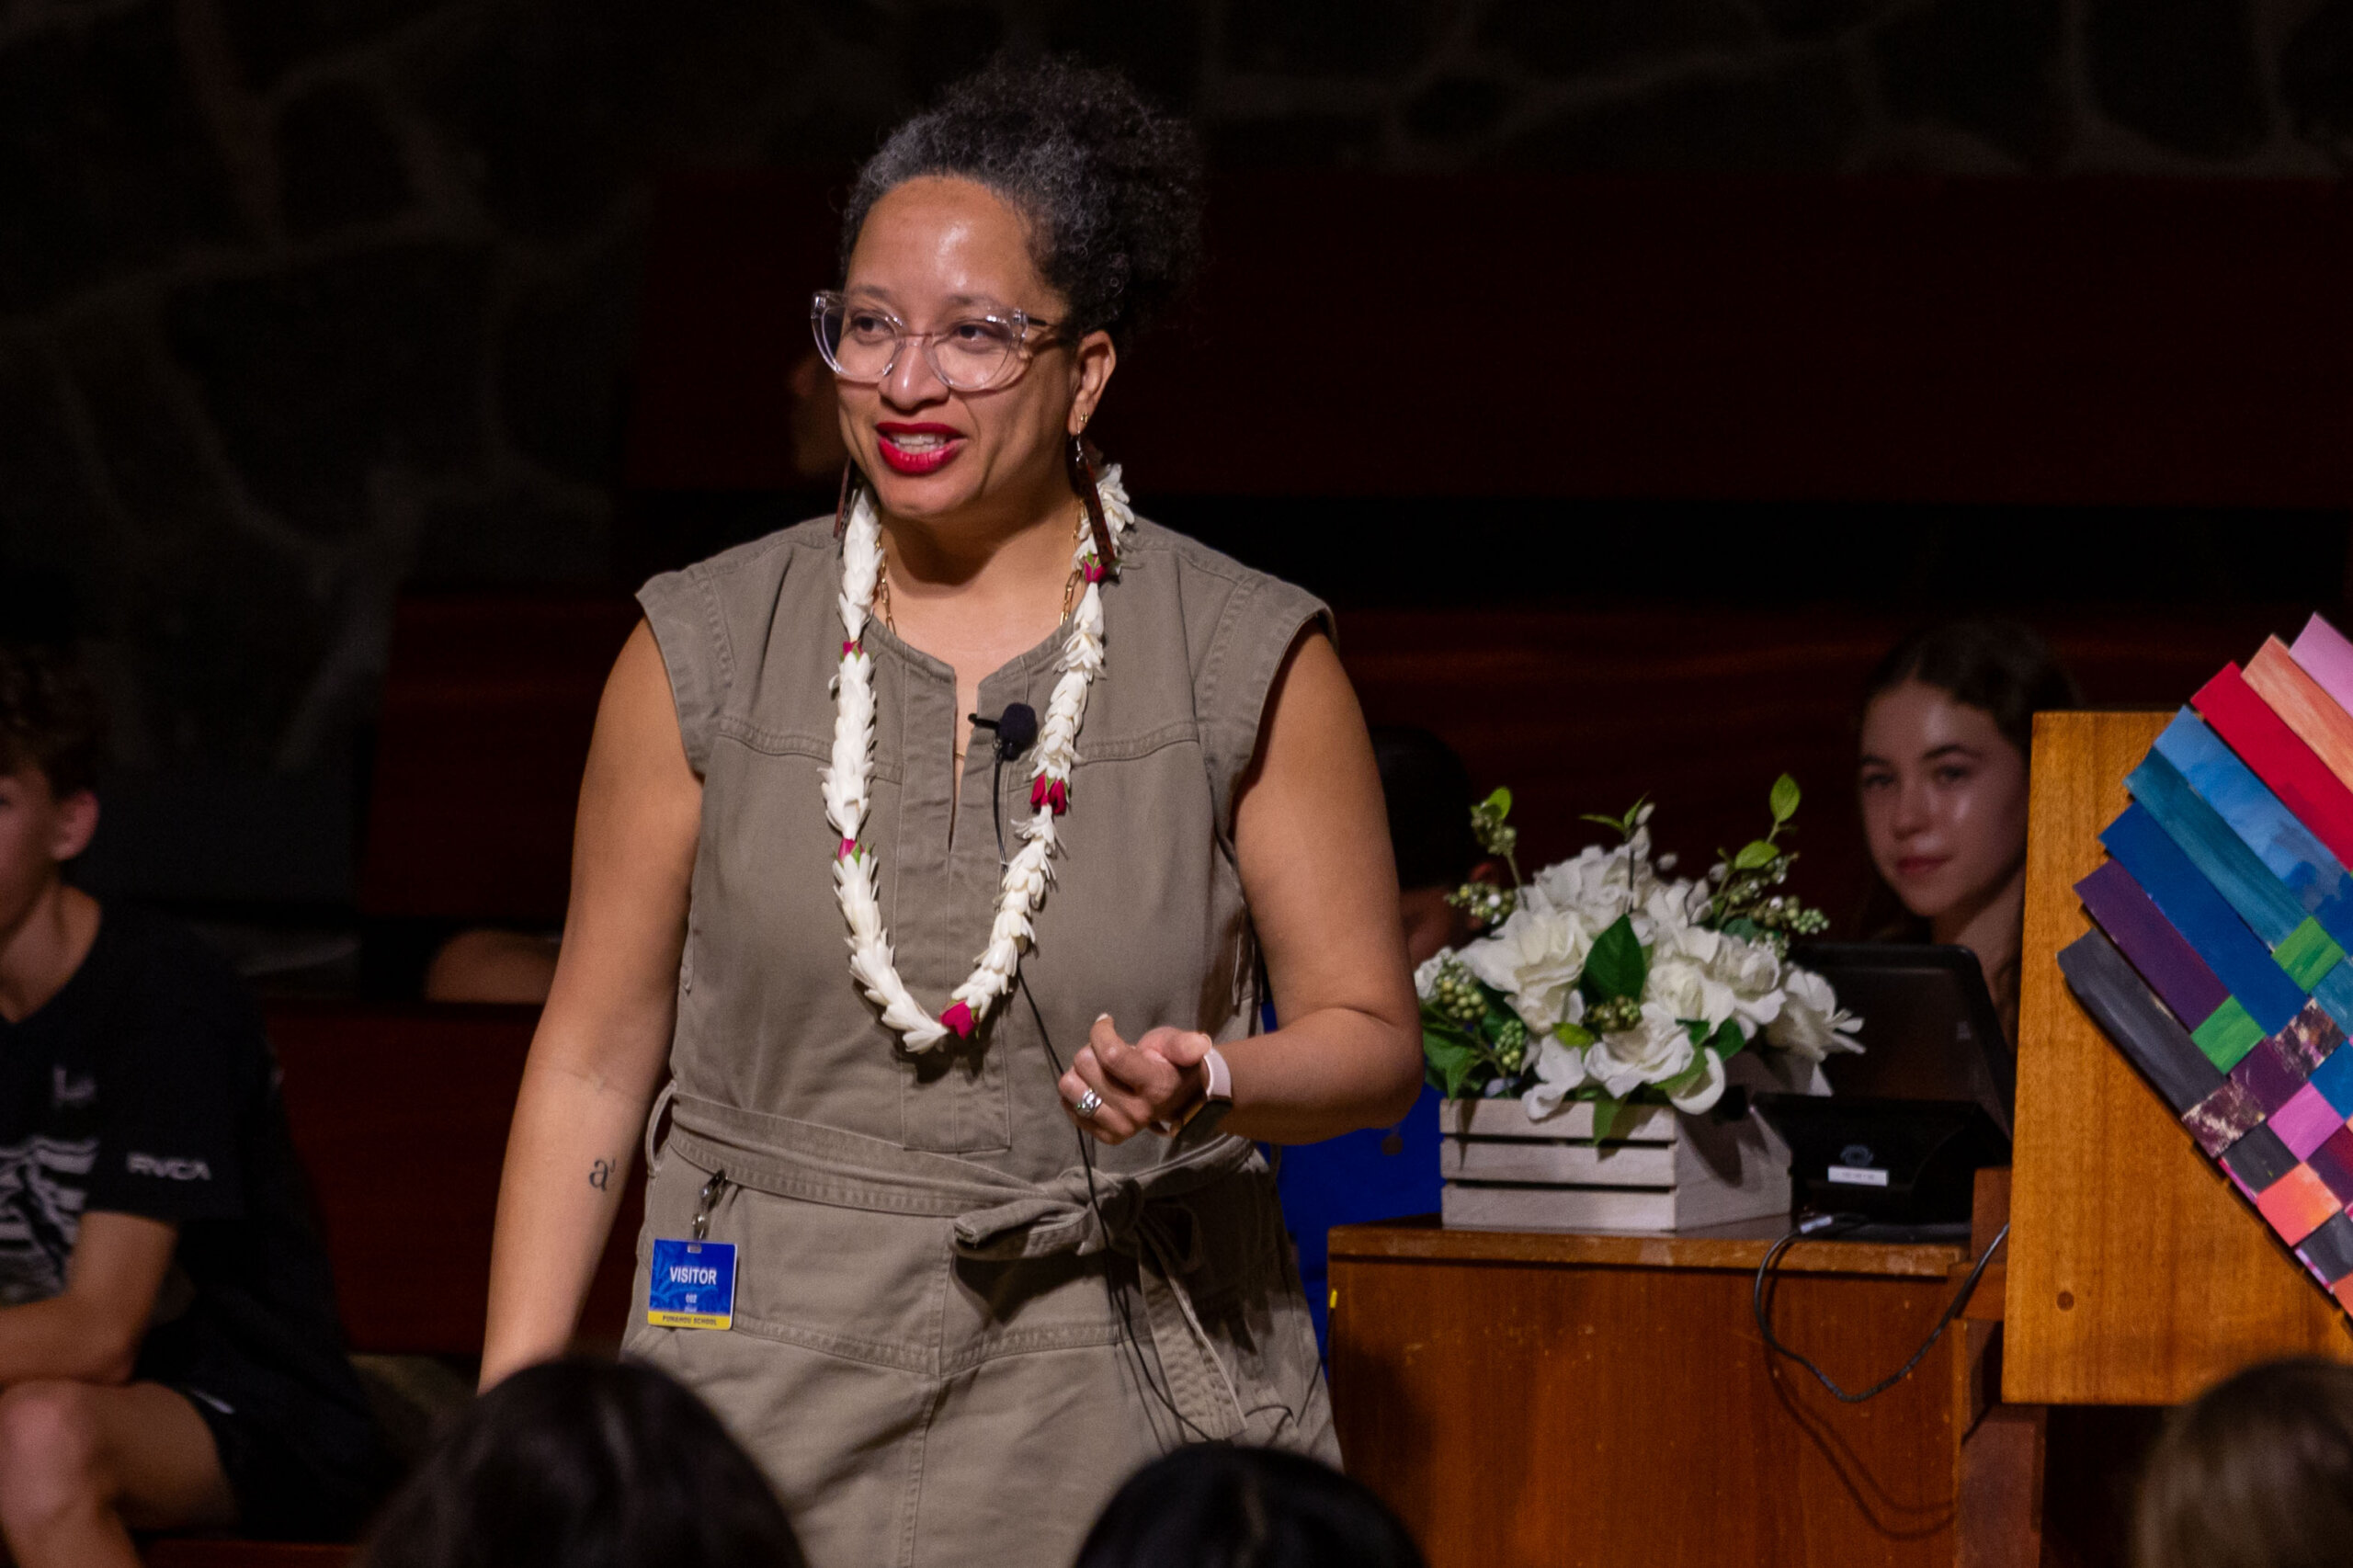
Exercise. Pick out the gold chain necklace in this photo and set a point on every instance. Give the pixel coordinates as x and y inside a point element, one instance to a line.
<point>1069,585</point>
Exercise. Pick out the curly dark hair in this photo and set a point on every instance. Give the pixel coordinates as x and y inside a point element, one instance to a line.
<point>50,719</point>
<point>584,1464</point>
<point>1246,1509</point>
<point>1111,186</point>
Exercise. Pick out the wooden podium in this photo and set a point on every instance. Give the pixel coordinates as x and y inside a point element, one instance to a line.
<point>1584,1401</point>
<point>2136,1275</point>
<point>1603,1399</point>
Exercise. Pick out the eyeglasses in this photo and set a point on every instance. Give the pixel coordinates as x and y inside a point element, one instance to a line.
<point>862,342</point>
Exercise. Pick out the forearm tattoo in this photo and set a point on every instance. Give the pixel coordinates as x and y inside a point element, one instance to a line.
<point>601,1175</point>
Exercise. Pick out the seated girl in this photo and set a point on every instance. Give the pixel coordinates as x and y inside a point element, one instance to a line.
<point>1948,724</point>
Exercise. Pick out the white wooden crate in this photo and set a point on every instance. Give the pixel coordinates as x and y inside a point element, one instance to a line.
<point>1658,1170</point>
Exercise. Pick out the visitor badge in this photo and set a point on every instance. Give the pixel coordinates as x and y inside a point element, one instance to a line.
<point>694,1285</point>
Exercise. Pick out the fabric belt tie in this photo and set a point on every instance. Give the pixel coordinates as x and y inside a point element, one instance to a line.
<point>1002,1218</point>
<point>1166,1244</point>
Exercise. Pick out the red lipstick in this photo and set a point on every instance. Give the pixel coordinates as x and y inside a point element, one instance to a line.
<point>918,449</point>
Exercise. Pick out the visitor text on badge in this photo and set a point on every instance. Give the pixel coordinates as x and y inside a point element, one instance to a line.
<point>694,1285</point>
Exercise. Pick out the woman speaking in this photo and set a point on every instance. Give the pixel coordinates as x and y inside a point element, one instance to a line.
<point>963,1065</point>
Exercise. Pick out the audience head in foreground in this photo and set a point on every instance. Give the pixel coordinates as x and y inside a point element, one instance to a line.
<point>585,1464</point>
<point>1246,1509</point>
<point>1948,724</point>
<point>2256,1473</point>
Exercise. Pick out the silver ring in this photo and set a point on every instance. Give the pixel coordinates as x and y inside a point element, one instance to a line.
<point>1088,1103</point>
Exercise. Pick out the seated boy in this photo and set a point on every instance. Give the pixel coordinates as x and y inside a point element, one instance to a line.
<point>169,1349</point>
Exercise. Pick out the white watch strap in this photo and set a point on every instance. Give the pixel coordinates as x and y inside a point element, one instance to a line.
<point>1221,1087</point>
<point>1221,1075</point>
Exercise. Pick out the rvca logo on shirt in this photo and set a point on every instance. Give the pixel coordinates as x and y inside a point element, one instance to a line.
<point>170,1169</point>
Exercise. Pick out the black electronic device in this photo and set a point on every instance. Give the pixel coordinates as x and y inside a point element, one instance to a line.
<point>1927,1103</point>
<point>1016,728</point>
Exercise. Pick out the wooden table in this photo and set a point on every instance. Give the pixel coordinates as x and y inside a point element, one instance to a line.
<point>1570,1399</point>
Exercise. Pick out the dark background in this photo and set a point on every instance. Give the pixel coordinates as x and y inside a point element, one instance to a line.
<point>306,306</point>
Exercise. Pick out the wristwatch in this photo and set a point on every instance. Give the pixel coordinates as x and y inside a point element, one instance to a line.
<point>1221,1076</point>
<point>1214,1103</point>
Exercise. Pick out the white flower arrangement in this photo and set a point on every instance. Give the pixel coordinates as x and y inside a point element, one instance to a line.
<point>1603,979</point>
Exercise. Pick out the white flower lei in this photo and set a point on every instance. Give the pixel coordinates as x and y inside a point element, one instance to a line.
<point>1023,886</point>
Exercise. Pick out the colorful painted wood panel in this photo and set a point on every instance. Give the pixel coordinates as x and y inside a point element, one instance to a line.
<point>2139,1274</point>
<point>2217,961</point>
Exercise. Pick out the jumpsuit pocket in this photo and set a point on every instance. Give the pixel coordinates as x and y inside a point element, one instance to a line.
<point>1248,1301</point>
<point>845,1282</point>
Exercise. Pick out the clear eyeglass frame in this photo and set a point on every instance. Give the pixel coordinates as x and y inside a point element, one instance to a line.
<point>991,360</point>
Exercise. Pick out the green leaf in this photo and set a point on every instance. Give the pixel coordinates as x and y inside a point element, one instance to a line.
<point>1499,803</point>
<point>1729,1039</point>
<point>1623,826</point>
<point>1451,1062</point>
<point>1785,799</point>
<point>1439,1030</point>
<point>1752,854</point>
<point>1576,1037</point>
<point>1690,1078</point>
<point>1616,966</point>
<point>1492,1028</point>
<point>1605,1116</point>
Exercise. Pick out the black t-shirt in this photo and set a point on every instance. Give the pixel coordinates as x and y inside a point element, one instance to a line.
<point>146,1086</point>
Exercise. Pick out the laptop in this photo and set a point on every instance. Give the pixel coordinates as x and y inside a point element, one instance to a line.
<point>1927,1104</point>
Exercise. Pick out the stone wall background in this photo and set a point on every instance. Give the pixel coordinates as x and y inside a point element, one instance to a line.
<point>305,300</point>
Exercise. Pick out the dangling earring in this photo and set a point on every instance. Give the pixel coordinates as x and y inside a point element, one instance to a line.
<point>1083,460</point>
<point>852,480</point>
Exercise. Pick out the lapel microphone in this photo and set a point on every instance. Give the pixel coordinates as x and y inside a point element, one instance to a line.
<point>1016,728</point>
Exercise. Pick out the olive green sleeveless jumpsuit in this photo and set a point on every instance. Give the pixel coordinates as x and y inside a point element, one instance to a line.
<point>943,1351</point>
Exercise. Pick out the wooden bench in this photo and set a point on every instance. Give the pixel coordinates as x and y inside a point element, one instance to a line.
<point>1579,708</point>
<point>489,700</point>
<point>400,1115</point>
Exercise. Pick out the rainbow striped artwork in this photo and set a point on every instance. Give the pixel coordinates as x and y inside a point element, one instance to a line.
<point>2222,921</point>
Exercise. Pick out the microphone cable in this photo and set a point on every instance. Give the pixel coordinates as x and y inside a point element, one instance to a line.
<point>1139,1367</point>
<point>1761,1304</point>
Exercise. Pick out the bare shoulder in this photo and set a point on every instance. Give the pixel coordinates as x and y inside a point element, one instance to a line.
<point>1313,773</point>
<point>638,710</point>
<point>641,807</point>
<point>637,757</point>
<point>638,669</point>
<point>1312,676</point>
<point>1312,723</point>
